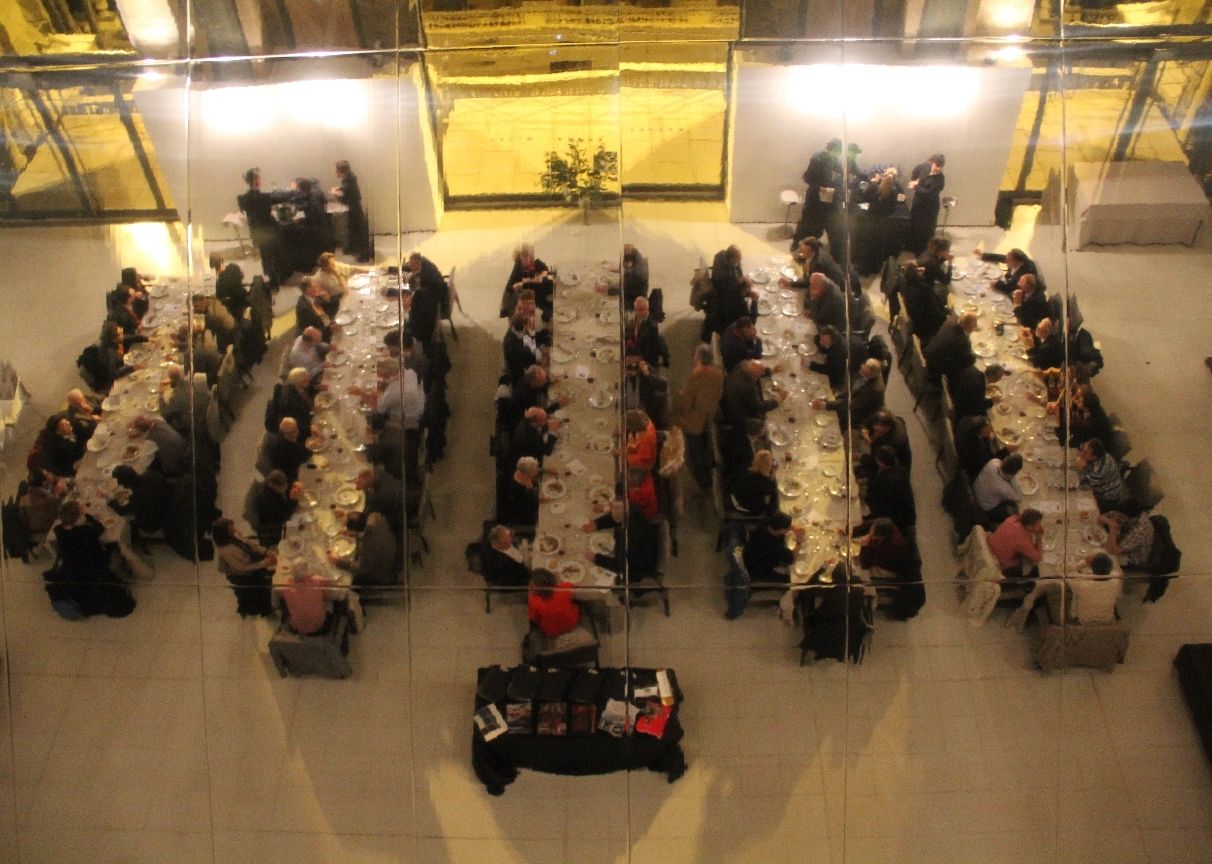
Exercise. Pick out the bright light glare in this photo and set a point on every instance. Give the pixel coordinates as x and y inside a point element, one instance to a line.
<point>1010,14</point>
<point>239,111</point>
<point>858,91</point>
<point>150,24</point>
<point>149,247</point>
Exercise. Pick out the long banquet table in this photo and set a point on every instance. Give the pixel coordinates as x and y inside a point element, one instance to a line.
<point>580,476</point>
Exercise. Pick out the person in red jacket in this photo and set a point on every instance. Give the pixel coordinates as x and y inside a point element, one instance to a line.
<point>551,605</point>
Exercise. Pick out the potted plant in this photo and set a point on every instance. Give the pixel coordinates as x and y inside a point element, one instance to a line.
<point>580,175</point>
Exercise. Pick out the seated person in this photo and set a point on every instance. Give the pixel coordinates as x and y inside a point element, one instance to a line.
<point>635,274</point>
<point>834,618</point>
<point>60,450</point>
<point>1046,347</point>
<point>641,493</point>
<point>520,349</point>
<point>995,489</point>
<point>884,429</point>
<point>1018,543</point>
<point>926,310</point>
<point>286,451</point>
<point>641,439</point>
<point>145,498</point>
<point>740,443</point>
<point>1129,538</point>
<point>889,494</point>
<point>374,559</point>
<point>294,399</point>
<point>171,449</point>
<point>529,272</point>
<point>740,342</point>
<point>386,446</point>
<point>502,563</point>
<point>519,506</point>
<point>384,494</point>
<point>81,584</point>
<point>315,308</point>
<point>308,353</point>
<point>1100,472</point>
<point>230,290</point>
<point>1095,596</point>
<point>644,390</point>
<point>841,354</point>
<point>83,412</point>
<point>754,491</point>
<point>306,598</point>
<point>551,606</point>
<point>884,552</point>
<point>534,436</point>
<point>976,443</point>
<point>274,504</point>
<point>936,261</point>
<point>766,555</point>
<point>248,568</point>
<point>1017,265</point>
<point>641,335</point>
<point>200,351</point>
<point>643,541</point>
<point>111,348</point>
<point>529,392</point>
<point>1030,303</point>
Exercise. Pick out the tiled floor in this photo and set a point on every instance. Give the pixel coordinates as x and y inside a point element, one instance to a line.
<point>167,736</point>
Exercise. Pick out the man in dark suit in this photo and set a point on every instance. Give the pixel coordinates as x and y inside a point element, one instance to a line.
<point>533,436</point>
<point>825,304</point>
<point>374,559</point>
<point>740,342</point>
<point>642,334</point>
<point>1048,348</point>
<point>823,177</point>
<point>1018,265</point>
<point>951,348</point>
<point>733,290</point>
<point>841,353</point>
<point>1030,304</point>
<point>740,442</point>
<point>429,295</point>
<point>257,207</point>
<point>743,397</point>
<point>501,562</point>
<point>520,350</point>
<point>926,310</point>
<point>968,388</point>
<point>286,452</point>
<point>643,390</point>
<point>866,396</point>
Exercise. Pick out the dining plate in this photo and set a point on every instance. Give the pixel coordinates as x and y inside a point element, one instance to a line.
<point>609,316</point>
<point>777,436</point>
<point>390,325</point>
<point>601,398</point>
<point>600,494</point>
<point>561,355</point>
<point>572,571</point>
<point>348,496</point>
<point>830,470</point>
<point>97,443</point>
<point>324,400</point>
<point>769,349</point>
<point>1029,485</point>
<point>383,307</point>
<point>803,568</point>
<point>1004,408</point>
<point>601,444</point>
<point>554,488</point>
<point>765,307</point>
<point>344,318</point>
<point>308,499</point>
<point>1095,534</point>
<point>788,272</point>
<point>559,506</point>
<point>1009,436</point>
<point>336,357</point>
<point>547,544</point>
<point>759,277</point>
<point>608,354</point>
<point>110,403</point>
<point>791,487</point>
<point>829,440</point>
<point>984,349</point>
<point>822,420</point>
<point>601,543</point>
<point>790,309</point>
<point>767,330</point>
<point>565,314</point>
<point>131,453</point>
<point>343,547</point>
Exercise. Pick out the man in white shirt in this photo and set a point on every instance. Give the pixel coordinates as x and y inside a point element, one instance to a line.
<point>402,398</point>
<point>1095,592</point>
<point>308,352</point>
<point>996,490</point>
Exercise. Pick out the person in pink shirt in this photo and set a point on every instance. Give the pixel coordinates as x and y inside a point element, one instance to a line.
<point>306,599</point>
<point>1017,544</point>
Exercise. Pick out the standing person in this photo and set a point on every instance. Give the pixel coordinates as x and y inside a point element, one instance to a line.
<point>823,177</point>
<point>357,243</point>
<point>257,207</point>
<point>927,180</point>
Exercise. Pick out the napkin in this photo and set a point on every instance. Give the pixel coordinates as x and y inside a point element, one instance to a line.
<point>582,372</point>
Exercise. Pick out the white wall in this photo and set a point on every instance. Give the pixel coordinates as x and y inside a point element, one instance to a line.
<point>782,115</point>
<point>297,128</point>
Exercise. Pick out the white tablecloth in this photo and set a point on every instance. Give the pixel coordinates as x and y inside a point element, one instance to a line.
<point>1135,202</point>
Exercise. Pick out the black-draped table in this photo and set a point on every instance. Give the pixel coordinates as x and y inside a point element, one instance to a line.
<point>497,762</point>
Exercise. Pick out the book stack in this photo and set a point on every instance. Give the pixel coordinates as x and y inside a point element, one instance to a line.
<point>519,710</point>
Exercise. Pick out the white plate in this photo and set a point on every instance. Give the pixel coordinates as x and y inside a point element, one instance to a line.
<point>547,544</point>
<point>830,470</point>
<point>765,307</point>
<point>608,355</point>
<point>110,403</point>
<point>1009,437</point>
<point>565,315</point>
<point>791,487</point>
<point>554,488</point>
<point>601,399</point>
<point>788,272</point>
<point>97,443</point>
<point>601,543</point>
<point>1029,485</point>
<point>790,309</point>
<point>823,420</point>
<point>344,318</point>
<point>829,440</point>
<point>601,493</point>
<point>609,316</point>
<point>572,571</point>
<point>760,277</point>
<point>984,349</point>
<point>559,355</point>
<point>601,444</point>
<point>559,506</point>
<point>324,400</point>
<point>347,496</point>
<point>1095,534</point>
